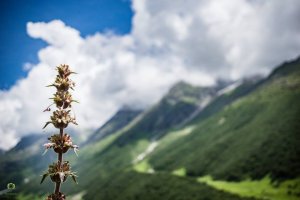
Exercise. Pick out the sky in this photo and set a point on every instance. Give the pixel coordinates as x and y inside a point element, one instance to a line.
<point>17,48</point>
<point>131,52</point>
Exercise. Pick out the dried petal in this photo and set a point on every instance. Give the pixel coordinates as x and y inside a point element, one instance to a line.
<point>61,176</point>
<point>45,152</point>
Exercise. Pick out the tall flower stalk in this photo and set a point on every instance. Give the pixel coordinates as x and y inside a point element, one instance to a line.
<point>61,142</point>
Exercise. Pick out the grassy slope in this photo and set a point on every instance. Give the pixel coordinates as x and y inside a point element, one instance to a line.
<point>260,189</point>
<point>133,186</point>
<point>264,188</point>
<point>252,137</point>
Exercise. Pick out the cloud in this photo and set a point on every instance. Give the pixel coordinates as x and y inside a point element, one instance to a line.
<point>227,38</point>
<point>196,41</point>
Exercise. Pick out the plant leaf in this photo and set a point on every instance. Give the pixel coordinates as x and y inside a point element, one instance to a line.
<point>47,123</point>
<point>74,178</point>
<point>44,176</point>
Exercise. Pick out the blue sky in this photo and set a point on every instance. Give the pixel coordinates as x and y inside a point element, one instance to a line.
<point>87,17</point>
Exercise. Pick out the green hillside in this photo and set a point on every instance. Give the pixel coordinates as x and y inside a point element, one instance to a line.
<point>135,186</point>
<point>251,137</point>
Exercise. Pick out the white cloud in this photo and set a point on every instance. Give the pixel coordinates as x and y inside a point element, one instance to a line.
<point>196,41</point>
<point>27,66</point>
<point>228,38</point>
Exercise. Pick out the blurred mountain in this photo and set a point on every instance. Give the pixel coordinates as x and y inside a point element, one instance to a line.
<point>18,165</point>
<point>173,110</point>
<point>247,137</point>
<point>241,134</point>
<point>30,141</point>
<point>119,120</point>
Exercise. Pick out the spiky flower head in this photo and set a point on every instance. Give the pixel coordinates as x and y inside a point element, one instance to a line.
<point>62,98</point>
<point>59,172</point>
<point>60,145</point>
<point>60,119</point>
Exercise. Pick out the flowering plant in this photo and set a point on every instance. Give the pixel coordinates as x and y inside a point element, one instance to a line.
<point>59,171</point>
